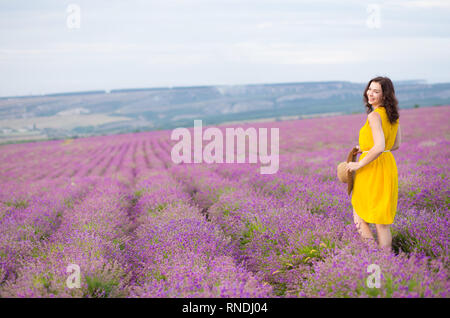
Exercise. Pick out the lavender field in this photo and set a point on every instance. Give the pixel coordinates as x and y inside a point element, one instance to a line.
<point>138,225</point>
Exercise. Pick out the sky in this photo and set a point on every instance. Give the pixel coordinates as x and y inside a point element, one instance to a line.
<point>51,46</point>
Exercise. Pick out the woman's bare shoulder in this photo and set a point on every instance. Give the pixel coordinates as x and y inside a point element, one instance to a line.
<point>374,117</point>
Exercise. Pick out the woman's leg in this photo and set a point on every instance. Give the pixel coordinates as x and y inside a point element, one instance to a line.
<point>363,227</point>
<point>384,235</point>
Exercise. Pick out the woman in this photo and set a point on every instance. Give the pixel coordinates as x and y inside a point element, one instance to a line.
<point>375,187</point>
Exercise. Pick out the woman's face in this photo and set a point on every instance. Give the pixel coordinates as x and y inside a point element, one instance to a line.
<point>375,94</point>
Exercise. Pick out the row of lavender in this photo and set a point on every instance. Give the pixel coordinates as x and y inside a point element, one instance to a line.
<point>65,203</point>
<point>113,156</point>
<point>90,234</point>
<point>28,216</point>
<point>176,252</point>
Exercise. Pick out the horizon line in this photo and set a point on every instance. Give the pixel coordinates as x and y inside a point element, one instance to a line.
<point>169,87</point>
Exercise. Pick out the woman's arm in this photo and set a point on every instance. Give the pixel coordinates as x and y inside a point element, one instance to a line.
<point>378,139</point>
<point>398,139</point>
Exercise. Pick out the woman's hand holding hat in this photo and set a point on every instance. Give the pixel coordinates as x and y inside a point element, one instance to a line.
<point>353,166</point>
<point>346,168</point>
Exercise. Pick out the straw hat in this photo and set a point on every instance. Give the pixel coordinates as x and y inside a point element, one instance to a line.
<point>342,173</point>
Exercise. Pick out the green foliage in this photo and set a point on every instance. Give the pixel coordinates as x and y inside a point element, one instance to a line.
<point>412,193</point>
<point>229,207</point>
<point>154,211</point>
<point>215,196</point>
<point>97,287</point>
<point>89,226</point>
<point>310,253</point>
<point>280,190</point>
<point>403,241</point>
<point>68,202</point>
<point>326,178</point>
<point>42,280</point>
<point>318,209</point>
<point>279,288</point>
<point>283,189</point>
<point>159,276</point>
<point>307,254</point>
<point>389,286</point>
<point>421,162</point>
<point>119,244</point>
<point>137,195</point>
<point>363,289</point>
<point>18,204</point>
<point>250,229</point>
<point>36,253</point>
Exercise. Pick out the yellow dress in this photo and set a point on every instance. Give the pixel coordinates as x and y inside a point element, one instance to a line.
<point>375,187</point>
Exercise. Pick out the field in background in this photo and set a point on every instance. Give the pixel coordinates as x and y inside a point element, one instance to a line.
<point>93,113</point>
<point>139,226</point>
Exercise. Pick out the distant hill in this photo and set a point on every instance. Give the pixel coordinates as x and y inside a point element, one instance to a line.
<point>75,114</point>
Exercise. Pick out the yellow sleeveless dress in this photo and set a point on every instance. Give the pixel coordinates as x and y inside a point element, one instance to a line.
<point>375,187</point>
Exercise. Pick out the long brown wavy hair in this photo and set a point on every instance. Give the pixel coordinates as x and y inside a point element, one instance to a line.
<point>389,101</point>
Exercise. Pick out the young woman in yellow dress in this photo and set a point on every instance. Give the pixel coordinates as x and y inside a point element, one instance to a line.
<point>375,187</point>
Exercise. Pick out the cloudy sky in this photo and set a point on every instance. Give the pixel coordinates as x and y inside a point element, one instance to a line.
<point>49,46</point>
